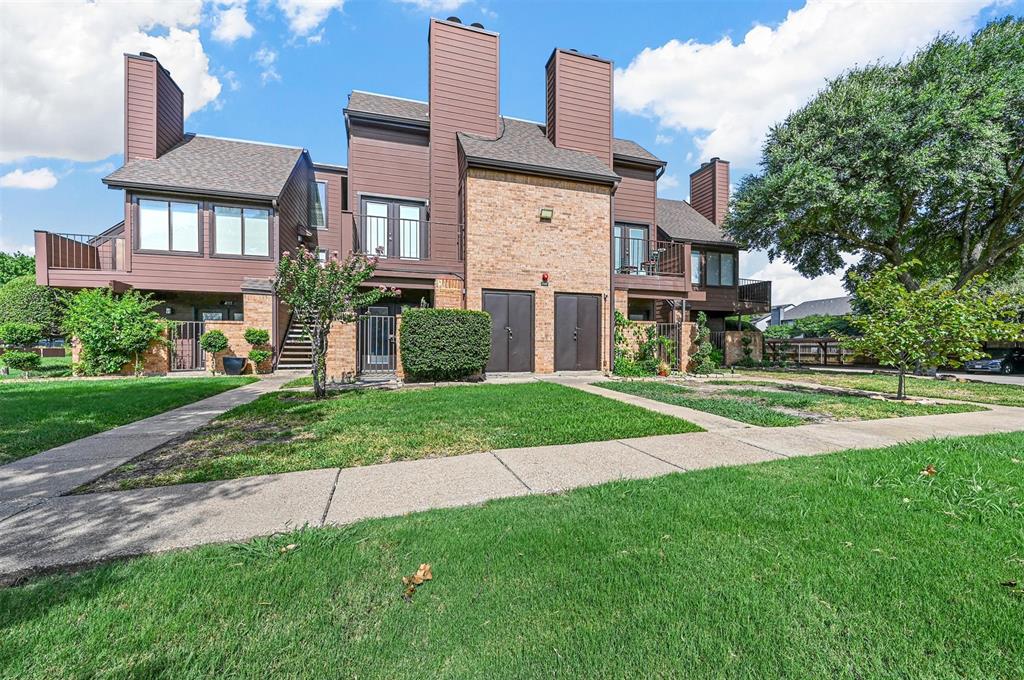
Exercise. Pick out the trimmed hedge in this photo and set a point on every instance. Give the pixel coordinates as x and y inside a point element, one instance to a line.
<point>445,344</point>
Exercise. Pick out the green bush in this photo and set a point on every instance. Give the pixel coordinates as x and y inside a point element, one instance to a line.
<point>17,334</point>
<point>113,330</point>
<point>445,344</point>
<point>19,360</point>
<point>22,300</point>
<point>258,357</point>
<point>213,341</point>
<point>257,337</point>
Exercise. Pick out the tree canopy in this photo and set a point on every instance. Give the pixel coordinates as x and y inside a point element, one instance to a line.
<point>921,161</point>
<point>13,265</point>
<point>21,300</point>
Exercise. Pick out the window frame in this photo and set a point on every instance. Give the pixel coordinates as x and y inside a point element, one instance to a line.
<point>393,239</point>
<point>623,252</point>
<point>137,225</point>
<point>243,207</point>
<point>706,267</point>
<point>326,204</point>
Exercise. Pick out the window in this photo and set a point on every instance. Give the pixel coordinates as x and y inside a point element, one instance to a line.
<point>721,269</point>
<point>318,206</point>
<point>242,231</point>
<point>168,225</point>
<point>394,228</point>
<point>696,267</point>
<point>640,310</point>
<point>321,255</point>
<point>631,248</point>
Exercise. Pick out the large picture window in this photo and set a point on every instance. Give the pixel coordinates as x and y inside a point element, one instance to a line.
<point>318,206</point>
<point>721,269</point>
<point>170,226</point>
<point>241,231</point>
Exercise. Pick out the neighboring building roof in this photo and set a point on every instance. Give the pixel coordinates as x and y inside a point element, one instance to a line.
<point>837,306</point>
<point>523,146</point>
<point>681,221</point>
<point>379,105</point>
<point>213,165</point>
<point>628,149</point>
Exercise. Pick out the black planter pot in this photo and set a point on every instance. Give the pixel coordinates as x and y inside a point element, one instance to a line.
<point>234,365</point>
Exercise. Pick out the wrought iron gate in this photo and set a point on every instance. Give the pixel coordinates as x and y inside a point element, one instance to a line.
<point>186,354</point>
<point>376,343</point>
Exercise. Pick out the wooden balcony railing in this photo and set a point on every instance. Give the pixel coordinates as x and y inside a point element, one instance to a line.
<point>391,238</point>
<point>644,257</point>
<point>755,292</point>
<point>81,251</point>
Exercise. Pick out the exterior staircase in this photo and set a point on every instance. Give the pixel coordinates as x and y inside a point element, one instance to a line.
<point>295,349</point>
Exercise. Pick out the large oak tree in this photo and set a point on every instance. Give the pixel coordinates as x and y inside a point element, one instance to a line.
<point>918,161</point>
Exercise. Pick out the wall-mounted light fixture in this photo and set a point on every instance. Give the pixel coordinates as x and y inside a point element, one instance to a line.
<point>546,214</point>
<point>168,311</point>
<point>544,279</point>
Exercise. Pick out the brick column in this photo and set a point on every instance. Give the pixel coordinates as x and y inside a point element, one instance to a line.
<point>341,352</point>
<point>448,294</point>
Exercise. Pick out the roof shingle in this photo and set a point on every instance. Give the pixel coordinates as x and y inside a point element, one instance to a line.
<point>630,149</point>
<point>214,165</point>
<point>681,221</point>
<point>392,107</point>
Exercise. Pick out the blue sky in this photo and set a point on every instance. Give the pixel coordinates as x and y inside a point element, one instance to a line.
<point>695,79</point>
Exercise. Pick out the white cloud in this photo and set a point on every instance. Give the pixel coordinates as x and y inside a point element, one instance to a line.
<point>102,168</point>
<point>663,139</point>
<point>436,5</point>
<point>267,58</point>
<point>231,78</point>
<point>668,182</point>
<point>41,178</point>
<point>231,23</point>
<point>727,94</point>
<point>62,74</point>
<point>789,286</point>
<point>305,16</point>
<point>8,246</point>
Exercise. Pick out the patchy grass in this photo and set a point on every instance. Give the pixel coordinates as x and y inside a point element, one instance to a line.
<point>984,393</point>
<point>777,407</point>
<point>306,381</point>
<point>850,565</point>
<point>282,432</point>
<point>37,415</point>
<point>50,367</point>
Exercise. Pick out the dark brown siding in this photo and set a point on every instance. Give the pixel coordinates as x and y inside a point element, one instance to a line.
<point>580,117</point>
<point>463,98</point>
<point>635,199</point>
<point>293,206</point>
<point>139,108</point>
<point>331,237</point>
<point>387,162</point>
<point>709,190</point>
<point>170,112</point>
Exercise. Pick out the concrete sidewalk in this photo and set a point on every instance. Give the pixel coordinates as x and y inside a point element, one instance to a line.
<point>53,532</point>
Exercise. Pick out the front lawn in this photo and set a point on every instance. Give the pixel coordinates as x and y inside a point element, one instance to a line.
<point>40,414</point>
<point>286,431</point>
<point>768,405</point>
<point>851,565</point>
<point>980,392</point>
<point>49,367</point>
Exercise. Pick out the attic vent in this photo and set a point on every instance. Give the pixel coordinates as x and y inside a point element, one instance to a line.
<point>454,20</point>
<point>477,24</point>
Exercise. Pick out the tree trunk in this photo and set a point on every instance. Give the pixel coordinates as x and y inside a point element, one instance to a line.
<point>319,361</point>
<point>901,386</point>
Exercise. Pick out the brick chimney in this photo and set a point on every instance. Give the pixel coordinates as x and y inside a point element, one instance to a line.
<point>709,189</point>
<point>463,98</point>
<point>579,103</point>
<point>154,108</point>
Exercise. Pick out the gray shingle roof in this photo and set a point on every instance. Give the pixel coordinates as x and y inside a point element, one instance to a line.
<point>680,220</point>
<point>630,149</point>
<point>524,146</point>
<point>837,306</point>
<point>214,165</point>
<point>392,107</point>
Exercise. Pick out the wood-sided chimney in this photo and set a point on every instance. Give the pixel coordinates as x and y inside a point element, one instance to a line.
<point>154,108</point>
<point>709,189</point>
<point>579,103</point>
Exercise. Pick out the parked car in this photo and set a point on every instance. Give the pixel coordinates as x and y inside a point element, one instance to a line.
<point>1003,361</point>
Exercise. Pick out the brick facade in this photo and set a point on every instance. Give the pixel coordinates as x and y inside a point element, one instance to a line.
<point>508,247</point>
<point>448,294</point>
<point>734,346</point>
<point>341,352</point>
<point>258,310</point>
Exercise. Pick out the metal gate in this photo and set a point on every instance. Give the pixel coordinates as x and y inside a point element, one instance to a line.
<point>186,354</point>
<point>376,343</point>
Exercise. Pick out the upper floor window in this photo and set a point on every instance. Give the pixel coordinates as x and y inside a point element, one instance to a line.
<point>631,249</point>
<point>696,267</point>
<point>241,231</point>
<point>393,229</point>
<point>168,225</point>
<point>318,206</point>
<point>721,269</point>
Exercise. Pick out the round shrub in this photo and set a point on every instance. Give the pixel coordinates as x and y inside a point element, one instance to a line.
<point>445,344</point>
<point>257,337</point>
<point>23,301</point>
<point>213,341</point>
<point>113,330</point>
<point>19,360</point>
<point>17,334</point>
<point>258,357</point>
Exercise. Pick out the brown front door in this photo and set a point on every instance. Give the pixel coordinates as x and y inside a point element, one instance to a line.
<point>577,332</point>
<point>511,331</point>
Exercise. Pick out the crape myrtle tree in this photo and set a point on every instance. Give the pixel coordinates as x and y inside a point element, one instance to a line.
<point>322,293</point>
<point>936,324</point>
<point>921,161</point>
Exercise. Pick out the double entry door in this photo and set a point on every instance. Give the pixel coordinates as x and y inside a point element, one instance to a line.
<point>511,331</point>
<point>394,229</point>
<point>577,332</point>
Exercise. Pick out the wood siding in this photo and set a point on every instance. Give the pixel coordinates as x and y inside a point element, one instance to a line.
<point>293,206</point>
<point>170,112</point>
<point>463,98</point>
<point>387,162</point>
<point>139,108</point>
<point>709,190</point>
<point>580,117</point>
<point>636,197</point>
<point>331,238</point>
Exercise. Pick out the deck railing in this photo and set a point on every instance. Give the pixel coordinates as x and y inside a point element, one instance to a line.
<point>82,251</point>
<point>644,257</point>
<point>755,292</point>
<point>391,237</point>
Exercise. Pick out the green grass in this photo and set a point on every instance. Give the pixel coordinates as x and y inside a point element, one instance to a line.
<point>850,565</point>
<point>735,409</point>
<point>984,393</point>
<point>50,367</point>
<point>282,432</point>
<point>306,381</point>
<point>39,414</point>
<point>846,407</point>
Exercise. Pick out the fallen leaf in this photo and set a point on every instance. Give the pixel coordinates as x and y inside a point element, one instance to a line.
<point>410,582</point>
<point>288,548</point>
<point>929,471</point>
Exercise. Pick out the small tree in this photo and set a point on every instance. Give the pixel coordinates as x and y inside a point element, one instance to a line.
<point>114,330</point>
<point>322,293</point>
<point>703,359</point>
<point>18,338</point>
<point>934,325</point>
<point>22,300</point>
<point>214,342</point>
<point>259,339</point>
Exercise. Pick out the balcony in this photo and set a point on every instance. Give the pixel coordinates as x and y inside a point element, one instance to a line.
<point>81,251</point>
<point>754,296</point>
<point>658,267</point>
<point>391,238</point>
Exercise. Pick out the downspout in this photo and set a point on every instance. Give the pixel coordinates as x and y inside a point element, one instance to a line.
<point>611,279</point>
<point>275,348</point>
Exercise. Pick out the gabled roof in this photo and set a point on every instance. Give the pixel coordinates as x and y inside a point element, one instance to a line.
<point>837,306</point>
<point>627,149</point>
<point>523,146</point>
<point>212,165</point>
<point>681,221</point>
<point>382,106</point>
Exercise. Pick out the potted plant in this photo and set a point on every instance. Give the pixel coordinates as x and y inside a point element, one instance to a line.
<point>664,369</point>
<point>260,353</point>
<point>215,342</point>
